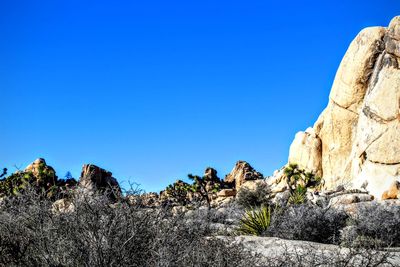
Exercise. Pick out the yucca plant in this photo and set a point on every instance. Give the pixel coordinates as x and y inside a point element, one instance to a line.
<point>298,196</point>
<point>256,221</point>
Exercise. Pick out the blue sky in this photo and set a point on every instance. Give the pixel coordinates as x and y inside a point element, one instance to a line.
<point>154,90</point>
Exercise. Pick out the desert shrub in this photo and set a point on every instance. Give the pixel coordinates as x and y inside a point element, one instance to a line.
<point>249,198</point>
<point>298,196</point>
<point>229,214</point>
<point>374,225</point>
<point>255,221</point>
<point>201,191</point>
<point>101,232</point>
<point>309,223</point>
<point>45,180</point>
<point>313,255</point>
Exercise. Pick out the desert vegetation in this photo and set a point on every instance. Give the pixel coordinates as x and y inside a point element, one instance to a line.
<point>47,221</point>
<point>101,232</point>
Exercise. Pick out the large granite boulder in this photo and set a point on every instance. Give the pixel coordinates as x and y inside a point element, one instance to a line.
<point>241,173</point>
<point>357,135</point>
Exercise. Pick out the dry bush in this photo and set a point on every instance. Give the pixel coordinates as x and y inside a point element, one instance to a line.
<point>308,223</point>
<point>100,232</point>
<point>374,225</point>
<point>313,256</point>
<point>248,198</point>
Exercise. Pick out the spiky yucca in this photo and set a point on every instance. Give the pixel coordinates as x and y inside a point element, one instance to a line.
<point>256,221</point>
<point>298,196</point>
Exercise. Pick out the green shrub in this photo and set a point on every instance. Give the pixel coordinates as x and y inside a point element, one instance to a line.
<point>298,196</point>
<point>255,221</point>
<point>200,191</point>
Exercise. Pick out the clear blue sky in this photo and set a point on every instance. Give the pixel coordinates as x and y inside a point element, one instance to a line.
<point>154,90</point>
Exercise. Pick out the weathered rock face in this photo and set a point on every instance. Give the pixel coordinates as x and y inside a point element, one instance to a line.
<point>356,140</point>
<point>241,173</point>
<point>94,178</point>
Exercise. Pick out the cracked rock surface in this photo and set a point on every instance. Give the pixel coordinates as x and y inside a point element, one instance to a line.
<point>356,140</point>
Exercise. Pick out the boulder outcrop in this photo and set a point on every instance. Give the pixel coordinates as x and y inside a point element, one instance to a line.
<point>241,173</point>
<point>356,140</point>
<point>39,169</point>
<point>94,179</point>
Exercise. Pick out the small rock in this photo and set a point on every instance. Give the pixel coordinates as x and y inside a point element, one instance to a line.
<point>63,206</point>
<point>350,199</point>
<point>393,192</point>
<point>227,193</point>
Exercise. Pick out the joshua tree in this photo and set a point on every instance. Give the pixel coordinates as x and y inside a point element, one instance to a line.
<point>206,186</point>
<point>178,191</point>
<point>4,173</point>
<point>298,180</point>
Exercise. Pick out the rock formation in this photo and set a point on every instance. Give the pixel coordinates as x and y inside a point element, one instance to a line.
<point>40,167</point>
<point>241,173</point>
<point>94,178</point>
<point>356,140</point>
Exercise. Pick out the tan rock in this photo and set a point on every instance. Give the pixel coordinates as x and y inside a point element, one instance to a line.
<point>94,178</point>
<point>394,28</point>
<point>381,102</point>
<point>360,128</point>
<point>350,84</point>
<point>63,206</point>
<point>376,178</point>
<point>177,210</point>
<point>393,192</point>
<point>222,201</point>
<point>227,193</point>
<point>336,134</point>
<point>350,199</point>
<point>306,151</point>
<point>40,166</point>
<point>241,173</point>
<point>252,185</point>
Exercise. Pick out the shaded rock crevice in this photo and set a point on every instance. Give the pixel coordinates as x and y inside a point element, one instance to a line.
<point>374,116</point>
<point>343,107</point>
